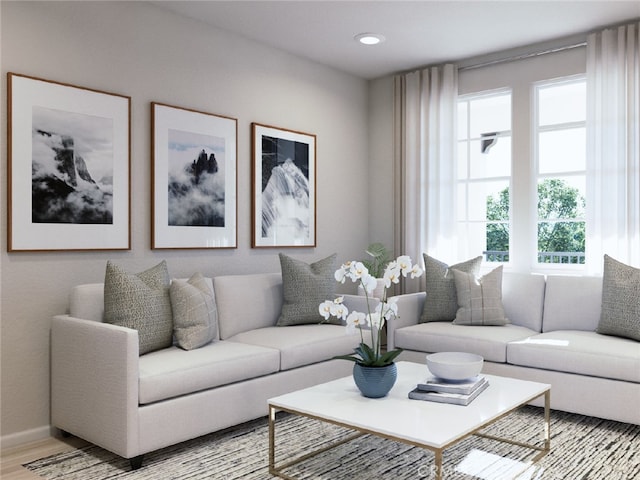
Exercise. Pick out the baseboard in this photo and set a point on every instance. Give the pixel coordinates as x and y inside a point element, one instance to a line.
<point>26,436</point>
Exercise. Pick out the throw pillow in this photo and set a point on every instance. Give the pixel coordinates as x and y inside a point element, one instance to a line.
<point>140,301</point>
<point>195,318</point>
<point>305,287</point>
<point>479,299</point>
<point>620,313</point>
<point>441,303</point>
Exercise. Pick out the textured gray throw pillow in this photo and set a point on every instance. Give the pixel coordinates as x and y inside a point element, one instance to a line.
<point>305,286</point>
<point>620,314</point>
<point>479,299</point>
<point>195,318</point>
<point>140,301</point>
<point>441,302</point>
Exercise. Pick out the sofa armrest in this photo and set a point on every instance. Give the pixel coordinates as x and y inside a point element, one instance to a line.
<point>359,302</point>
<point>94,382</point>
<point>410,307</point>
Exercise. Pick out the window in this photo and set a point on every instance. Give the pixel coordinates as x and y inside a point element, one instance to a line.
<point>560,146</point>
<point>484,173</point>
<point>544,190</point>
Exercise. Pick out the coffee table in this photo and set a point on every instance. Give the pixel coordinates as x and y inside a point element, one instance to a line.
<point>430,425</point>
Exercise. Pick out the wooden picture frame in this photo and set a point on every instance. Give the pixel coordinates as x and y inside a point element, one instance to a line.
<point>68,162</point>
<point>283,187</point>
<point>194,179</point>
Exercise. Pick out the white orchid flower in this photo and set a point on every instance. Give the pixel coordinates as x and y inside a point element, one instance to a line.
<point>416,271</point>
<point>325,309</point>
<point>389,309</point>
<point>339,311</point>
<point>355,320</point>
<point>357,270</point>
<point>375,320</point>
<point>392,275</point>
<point>369,283</point>
<point>340,275</point>
<point>404,263</point>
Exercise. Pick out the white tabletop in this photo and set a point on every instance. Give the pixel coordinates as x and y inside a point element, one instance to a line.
<point>429,424</point>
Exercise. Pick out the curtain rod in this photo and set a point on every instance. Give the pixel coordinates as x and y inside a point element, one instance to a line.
<point>522,56</point>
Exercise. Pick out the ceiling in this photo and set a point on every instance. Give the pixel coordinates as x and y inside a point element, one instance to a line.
<point>417,33</point>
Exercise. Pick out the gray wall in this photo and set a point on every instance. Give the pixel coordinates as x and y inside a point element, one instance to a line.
<point>142,51</point>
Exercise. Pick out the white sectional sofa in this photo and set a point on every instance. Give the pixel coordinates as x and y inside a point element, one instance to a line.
<point>103,391</point>
<point>550,338</point>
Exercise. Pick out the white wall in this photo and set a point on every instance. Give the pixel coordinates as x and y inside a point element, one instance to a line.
<point>149,54</point>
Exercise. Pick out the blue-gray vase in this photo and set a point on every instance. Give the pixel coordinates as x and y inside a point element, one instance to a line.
<point>375,382</point>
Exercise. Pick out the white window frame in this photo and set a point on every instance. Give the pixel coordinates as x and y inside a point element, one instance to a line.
<point>536,176</point>
<point>468,181</point>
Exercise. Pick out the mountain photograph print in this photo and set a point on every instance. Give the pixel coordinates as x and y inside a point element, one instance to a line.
<point>194,181</point>
<point>68,164</point>
<point>72,168</point>
<point>283,188</point>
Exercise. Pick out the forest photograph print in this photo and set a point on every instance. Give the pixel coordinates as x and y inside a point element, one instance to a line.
<point>194,179</point>
<point>69,167</point>
<point>283,188</point>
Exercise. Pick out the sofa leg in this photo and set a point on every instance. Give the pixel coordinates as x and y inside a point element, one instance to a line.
<point>136,462</point>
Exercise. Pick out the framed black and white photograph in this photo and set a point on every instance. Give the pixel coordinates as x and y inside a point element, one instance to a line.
<point>283,187</point>
<point>194,179</point>
<point>68,167</point>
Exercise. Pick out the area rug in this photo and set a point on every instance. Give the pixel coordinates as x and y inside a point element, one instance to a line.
<point>581,448</point>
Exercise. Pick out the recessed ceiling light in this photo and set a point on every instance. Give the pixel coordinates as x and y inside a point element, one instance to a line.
<point>369,38</point>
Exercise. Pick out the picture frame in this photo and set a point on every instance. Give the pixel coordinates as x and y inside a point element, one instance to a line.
<point>283,183</point>
<point>68,167</point>
<point>194,179</point>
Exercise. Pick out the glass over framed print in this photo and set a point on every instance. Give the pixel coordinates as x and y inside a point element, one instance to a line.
<point>283,188</point>
<point>68,167</point>
<point>194,179</point>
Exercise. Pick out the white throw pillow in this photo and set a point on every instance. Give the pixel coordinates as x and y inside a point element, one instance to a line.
<point>195,318</point>
<point>479,299</point>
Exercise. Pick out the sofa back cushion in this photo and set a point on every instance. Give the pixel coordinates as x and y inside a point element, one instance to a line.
<point>572,303</point>
<point>87,302</point>
<point>247,302</point>
<point>523,299</point>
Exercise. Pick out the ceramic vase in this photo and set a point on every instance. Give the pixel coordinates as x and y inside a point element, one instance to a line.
<point>375,382</point>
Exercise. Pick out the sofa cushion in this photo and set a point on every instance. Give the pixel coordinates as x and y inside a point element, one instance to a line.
<point>441,302</point>
<point>579,352</point>
<point>172,372</point>
<point>490,342</point>
<point>301,345</point>
<point>140,301</point>
<point>620,314</point>
<point>479,299</point>
<point>195,320</point>
<point>305,286</point>
<point>572,303</point>
<point>523,299</point>
<point>247,302</point>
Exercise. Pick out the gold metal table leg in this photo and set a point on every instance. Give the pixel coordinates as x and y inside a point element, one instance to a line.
<point>438,464</point>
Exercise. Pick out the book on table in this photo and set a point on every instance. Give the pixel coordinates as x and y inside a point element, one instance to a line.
<point>464,387</point>
<point>447,397</point>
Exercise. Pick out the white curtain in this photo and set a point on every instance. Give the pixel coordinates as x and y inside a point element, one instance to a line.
<point>613,158</point>
<point>425,164</point>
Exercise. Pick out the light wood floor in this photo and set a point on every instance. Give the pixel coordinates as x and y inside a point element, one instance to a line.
<point>12,459</point>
